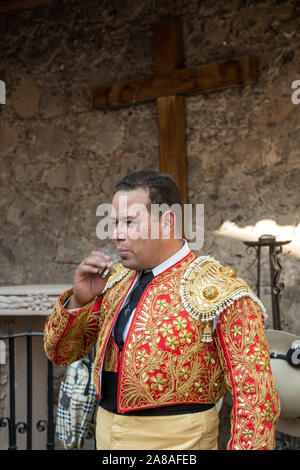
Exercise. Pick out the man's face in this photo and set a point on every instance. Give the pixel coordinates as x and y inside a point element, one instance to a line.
<point>137,236</point>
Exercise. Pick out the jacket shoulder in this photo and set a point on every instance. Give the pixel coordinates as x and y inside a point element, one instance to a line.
<point>208,287</point>
<point>117,273</point>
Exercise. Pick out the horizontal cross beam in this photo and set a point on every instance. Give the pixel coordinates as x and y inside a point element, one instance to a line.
<point>188,81</point>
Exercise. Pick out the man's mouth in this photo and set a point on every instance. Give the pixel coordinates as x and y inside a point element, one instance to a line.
<point>122,251</point>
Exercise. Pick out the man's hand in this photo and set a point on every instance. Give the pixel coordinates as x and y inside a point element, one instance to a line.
<point>88,283</point>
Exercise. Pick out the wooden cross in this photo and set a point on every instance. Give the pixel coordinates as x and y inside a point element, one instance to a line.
<point>168,86</point>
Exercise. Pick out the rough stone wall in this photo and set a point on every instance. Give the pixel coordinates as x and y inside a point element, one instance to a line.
<point>60,159</point>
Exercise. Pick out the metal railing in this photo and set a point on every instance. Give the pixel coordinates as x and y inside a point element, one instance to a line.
<point>28,425</point>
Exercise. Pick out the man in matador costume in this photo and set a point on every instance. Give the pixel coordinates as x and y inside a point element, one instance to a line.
<point>172,332</point>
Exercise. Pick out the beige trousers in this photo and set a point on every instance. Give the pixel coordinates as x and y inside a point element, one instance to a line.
<point>190,431</point>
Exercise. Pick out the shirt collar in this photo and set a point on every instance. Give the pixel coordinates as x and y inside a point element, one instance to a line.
<point>178,256</point>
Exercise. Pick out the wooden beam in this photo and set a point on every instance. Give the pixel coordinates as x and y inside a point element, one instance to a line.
<point>12,5</point>
<point>170,109</point>
<point>172,143</point>
<point>168,47</point>
<point>188,81</point>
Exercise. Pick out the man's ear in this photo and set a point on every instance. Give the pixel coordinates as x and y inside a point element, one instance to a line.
<point>168,223</point>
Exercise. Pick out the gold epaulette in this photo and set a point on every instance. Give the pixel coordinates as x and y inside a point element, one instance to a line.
<point>117,273</point>
<point>207,288</point>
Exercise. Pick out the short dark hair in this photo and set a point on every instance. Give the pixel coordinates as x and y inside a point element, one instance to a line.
<point>162,188</point>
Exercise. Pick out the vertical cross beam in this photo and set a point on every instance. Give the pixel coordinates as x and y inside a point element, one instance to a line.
<point>170,109</point>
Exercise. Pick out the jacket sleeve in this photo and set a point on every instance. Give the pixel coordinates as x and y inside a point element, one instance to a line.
<point>243,351</point>
<point>68,336</point>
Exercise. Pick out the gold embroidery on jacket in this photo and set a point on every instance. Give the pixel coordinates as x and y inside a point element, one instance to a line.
<point>164,360</point>
<point>69,336</point>
<point>111,301</point>
<point>111,358</point>
<point>207,288</point>
<point>240,333</point>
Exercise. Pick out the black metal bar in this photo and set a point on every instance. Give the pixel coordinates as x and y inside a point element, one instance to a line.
<point>20,335</point>
<point>50,427</point>
<point>272,276</point>
<point>258,273</point>
<point>248,250</point>
<point>23,427</point>
<point>275,247</point>
<point>276,286</point>
<point>12,397</point>
<point>29,391</point>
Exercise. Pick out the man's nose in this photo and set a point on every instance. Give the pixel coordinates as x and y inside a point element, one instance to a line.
<point>119,232</point>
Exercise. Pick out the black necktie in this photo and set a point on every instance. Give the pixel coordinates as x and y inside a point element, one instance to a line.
<point>126,311</point>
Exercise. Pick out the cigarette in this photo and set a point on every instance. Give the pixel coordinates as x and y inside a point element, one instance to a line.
<point>103,273</point>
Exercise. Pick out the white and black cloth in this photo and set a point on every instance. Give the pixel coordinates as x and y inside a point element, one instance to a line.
<point>77,402</point>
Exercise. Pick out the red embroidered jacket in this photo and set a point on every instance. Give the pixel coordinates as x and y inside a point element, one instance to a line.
<point>168,356</point>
